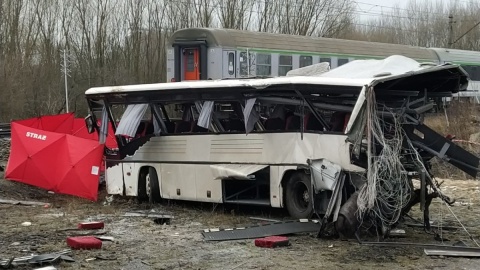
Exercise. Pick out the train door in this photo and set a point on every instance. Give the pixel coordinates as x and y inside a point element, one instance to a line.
<point>229,66</point>
<point>191,64</point>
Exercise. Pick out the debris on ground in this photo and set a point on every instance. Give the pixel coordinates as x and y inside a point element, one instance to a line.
<point>158,218</point>
<point>84,242</point>
<point>29,203</point>
<point>397,233</point>
<point>264,219</point>
<point>105,238</point>
<point>26,224</point>
<point>46,268</point>
<point>442,227</point>
<point>262,230</point>
<point>38,259</point>
<point>272,241</point>
<point>93,225</point>
<point>453,251</point>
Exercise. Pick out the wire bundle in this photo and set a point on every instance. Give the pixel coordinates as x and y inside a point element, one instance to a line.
<point>388,188</point>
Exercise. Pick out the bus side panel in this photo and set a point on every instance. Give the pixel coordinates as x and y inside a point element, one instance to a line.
<point>130,177</point>
<point>208,188</point>
<point>114,178</point>
<point>178,182</point>
<point>276,190</point>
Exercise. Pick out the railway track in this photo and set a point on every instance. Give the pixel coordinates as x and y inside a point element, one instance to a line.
<point>5,130</point>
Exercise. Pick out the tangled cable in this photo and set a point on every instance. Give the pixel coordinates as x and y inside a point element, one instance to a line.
<point>388,188</point>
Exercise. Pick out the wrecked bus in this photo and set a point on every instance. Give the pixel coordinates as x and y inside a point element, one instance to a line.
<point>344,145</point>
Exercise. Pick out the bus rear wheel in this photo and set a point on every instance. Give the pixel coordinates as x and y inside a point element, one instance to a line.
<point>298,196</point>
<point>152,187</point>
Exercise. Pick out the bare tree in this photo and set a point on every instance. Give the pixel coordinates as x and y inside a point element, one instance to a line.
<point>204,12</point>
<point>235,14</point>
<point>266,11</point>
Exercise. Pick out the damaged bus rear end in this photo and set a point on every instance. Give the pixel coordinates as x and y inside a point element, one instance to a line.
<point>345,146</point>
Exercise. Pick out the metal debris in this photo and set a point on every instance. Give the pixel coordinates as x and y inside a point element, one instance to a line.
<point>265,219</point>
<point>397,233</point>
<point>38,259</point>
<point>445,228</point>
<point>263,230</point>
<point>46,268</point>
<point>453,251</point>
<point>105,238</point>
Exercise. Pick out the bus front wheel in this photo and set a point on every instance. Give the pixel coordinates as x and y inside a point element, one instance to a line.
<point>152,186</point>
<point>298,196</point>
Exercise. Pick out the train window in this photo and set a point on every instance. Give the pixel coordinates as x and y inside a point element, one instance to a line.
<point>190,61</point>
<point>342,61</point>
<point>305,61</point>
<point>244,64</point>
<point>476,73</point>
<point>264,64</point>
<point>329,60</point>
<point>231,63</point>
<point>473,72</point>
<point>284,64</point>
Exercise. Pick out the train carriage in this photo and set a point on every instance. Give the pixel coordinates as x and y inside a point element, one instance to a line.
<point>207,53</point>
<point>201,53</point>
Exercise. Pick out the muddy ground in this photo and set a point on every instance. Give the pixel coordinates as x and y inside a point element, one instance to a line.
<point>142,244</point>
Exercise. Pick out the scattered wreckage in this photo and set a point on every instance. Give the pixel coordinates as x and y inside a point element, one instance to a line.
<point>345,145</point>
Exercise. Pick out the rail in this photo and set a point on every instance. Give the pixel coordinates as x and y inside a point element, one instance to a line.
<point>5,130</point>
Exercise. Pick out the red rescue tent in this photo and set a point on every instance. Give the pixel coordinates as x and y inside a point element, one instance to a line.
<point>54,159</point>
<point>61,123</point>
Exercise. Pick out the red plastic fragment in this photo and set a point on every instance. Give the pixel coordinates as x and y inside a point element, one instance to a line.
<point>272,241</point>
<point>84,242</point>
<point>91,225</point>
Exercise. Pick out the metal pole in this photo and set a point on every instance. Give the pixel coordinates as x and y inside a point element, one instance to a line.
<point>65,74</point>
<point>450,31</point>
<point>248,63</point>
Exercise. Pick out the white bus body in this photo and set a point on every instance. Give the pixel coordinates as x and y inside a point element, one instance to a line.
<point>279,142</point>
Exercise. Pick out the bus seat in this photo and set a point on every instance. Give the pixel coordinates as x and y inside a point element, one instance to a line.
<point>274,124</point>
<point>338,121</point>
<point>170,127</point>
<point>235,125</point>
<point>198,129</point>
<point>312,123</point>
<point>150,128</point>
<point>183,126</point>
<point>140,130</point>
<point>293,123</point>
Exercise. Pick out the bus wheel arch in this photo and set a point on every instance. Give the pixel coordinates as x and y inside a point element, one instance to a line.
<point>297,199</point>
<point>148,185</point>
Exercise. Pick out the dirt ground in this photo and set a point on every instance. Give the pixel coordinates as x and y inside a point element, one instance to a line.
<point>139,243</point>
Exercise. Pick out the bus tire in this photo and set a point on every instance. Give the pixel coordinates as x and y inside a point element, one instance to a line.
<point>298,196</point>
<point>152,186</point>
<point>142,187</point>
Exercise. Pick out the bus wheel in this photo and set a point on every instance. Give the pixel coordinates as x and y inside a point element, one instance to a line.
<point>298,196</point>
<point>152,186</point>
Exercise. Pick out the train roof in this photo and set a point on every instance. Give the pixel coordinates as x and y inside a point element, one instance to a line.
<point>458,56</point>
<point>282,42</point>
<point>392,73</point>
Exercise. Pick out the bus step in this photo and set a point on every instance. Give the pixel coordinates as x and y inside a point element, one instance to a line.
<point>265,202</point>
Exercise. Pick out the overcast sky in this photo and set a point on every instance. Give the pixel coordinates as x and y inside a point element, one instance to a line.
<point>377,6</point>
